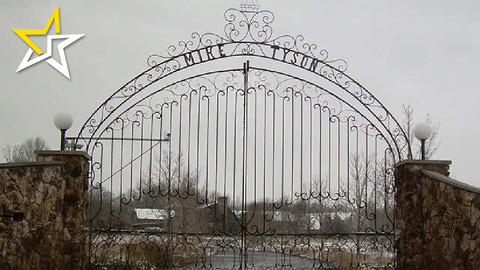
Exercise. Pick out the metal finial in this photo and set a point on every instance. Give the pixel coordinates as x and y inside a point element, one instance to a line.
<point>249,6</point>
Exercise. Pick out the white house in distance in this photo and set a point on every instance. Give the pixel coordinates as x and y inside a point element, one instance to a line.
<point>151,219</point>
<point>316,219</point>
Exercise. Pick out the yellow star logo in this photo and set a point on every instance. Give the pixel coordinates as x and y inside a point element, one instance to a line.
<point>61,66</point>
<point>24,33</point>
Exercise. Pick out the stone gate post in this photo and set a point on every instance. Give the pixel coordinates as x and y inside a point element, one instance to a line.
<point>50,194</point>
<point>438,218</point>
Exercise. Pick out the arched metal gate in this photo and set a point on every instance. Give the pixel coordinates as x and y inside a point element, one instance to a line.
<point>242,150</point>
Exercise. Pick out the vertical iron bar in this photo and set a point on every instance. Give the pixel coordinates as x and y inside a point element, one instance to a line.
<point>198,147</point>
<point>207,147</point>
<point>216,159</point>
<point>292,146</point>
<point>169,194</point>
<point>264,160</point>
<point>180,184</point>
<point>189,142</point>
<point>301,146</point>
<point>246,67</point>
<point>111,180</point>
<point>121,165</point>
<point>225,143</point>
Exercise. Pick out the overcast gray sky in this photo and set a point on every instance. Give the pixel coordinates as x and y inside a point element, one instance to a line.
<point>423,53</point>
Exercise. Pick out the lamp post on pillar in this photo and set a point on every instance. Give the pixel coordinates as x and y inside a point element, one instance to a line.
<point>63,121</point>
<point>422,131</point>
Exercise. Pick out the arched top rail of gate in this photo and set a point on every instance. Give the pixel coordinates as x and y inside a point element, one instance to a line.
<point>250,34</point>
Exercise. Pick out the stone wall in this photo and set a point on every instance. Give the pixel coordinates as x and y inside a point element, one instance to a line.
<point>51,195</point>
<point>438,218</point>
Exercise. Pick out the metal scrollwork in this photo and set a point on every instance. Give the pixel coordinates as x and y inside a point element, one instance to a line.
<point>260,167</point>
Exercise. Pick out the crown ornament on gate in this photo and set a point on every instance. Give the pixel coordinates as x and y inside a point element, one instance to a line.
<point>249,6</point>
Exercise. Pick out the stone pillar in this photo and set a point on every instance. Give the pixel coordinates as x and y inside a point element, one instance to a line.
<point>438,218</point>
<point>410,211</point>
<point>75,175</point>
<point>50,194</point>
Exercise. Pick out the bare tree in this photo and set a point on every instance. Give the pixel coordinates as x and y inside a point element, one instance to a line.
<point>24,152</point>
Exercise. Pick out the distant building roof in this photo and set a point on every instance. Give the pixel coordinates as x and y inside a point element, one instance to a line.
<point>152,214</point>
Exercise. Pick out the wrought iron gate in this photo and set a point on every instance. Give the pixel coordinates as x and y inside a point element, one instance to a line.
<point>285,162</point>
